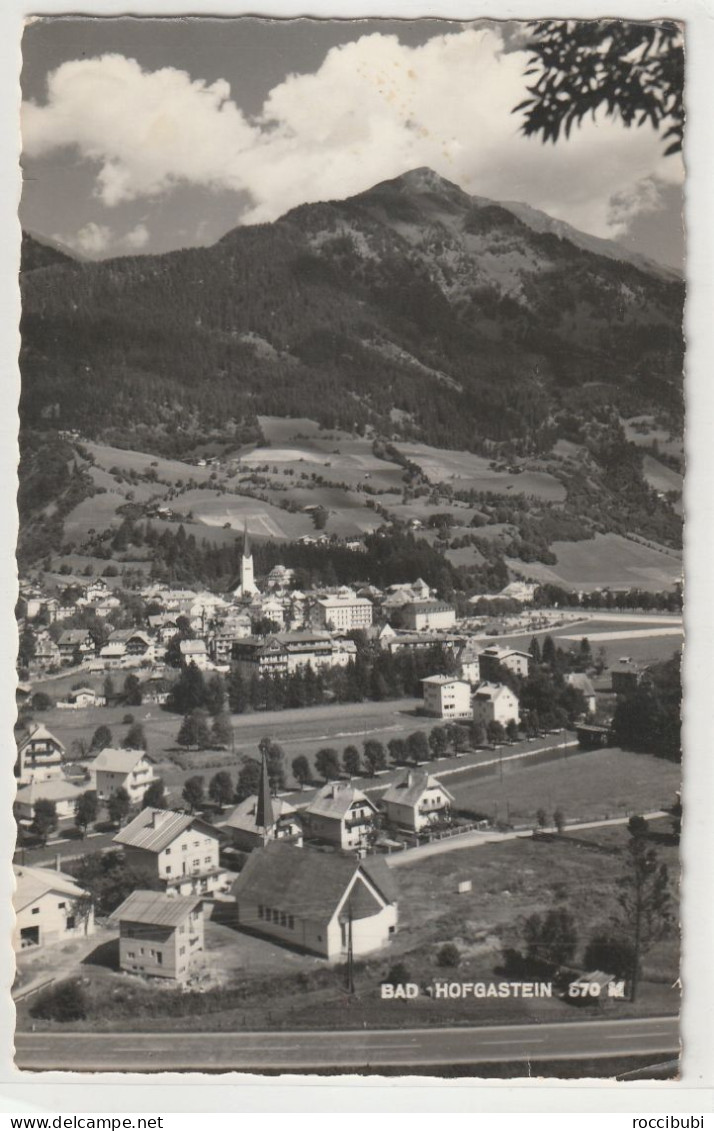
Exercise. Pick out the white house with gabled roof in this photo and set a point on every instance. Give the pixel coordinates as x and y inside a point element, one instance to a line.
<point>179,849</point>
<point>115,769</point>
<point>416,801</point>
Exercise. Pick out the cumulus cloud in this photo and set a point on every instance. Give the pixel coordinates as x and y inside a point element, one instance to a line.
<point>641,199</point>
<point>92,240</point>
<point>138,237</point>
<point>95,240</point>
<point>372,110</point>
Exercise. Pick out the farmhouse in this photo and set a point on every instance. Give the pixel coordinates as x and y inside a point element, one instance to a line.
<point>495,703</point>
<point>416,802</point>
<point>159,934</point>
<point>115,769</point>
<point>49,908</point>
<point>446,697</point>
<point>39,755</point>
<point>180,850</point>
<point>418,615</point>
<point>320,902</point>
<point>340,814</point>
<point>61,792</point>
<point>497,656</point>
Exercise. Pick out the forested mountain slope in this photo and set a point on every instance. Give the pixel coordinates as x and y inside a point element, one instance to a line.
<point>462,316</point>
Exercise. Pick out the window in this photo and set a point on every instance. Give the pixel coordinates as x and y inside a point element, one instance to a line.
<point>61,906</point>
<point>168,869</point>
<point>260,911</point>
<point>181,930</point>
<point>71,922</point>
<point>182,950</point>
<point>167,852</point>
<point>131,954</point>
<point>207,860</point>
<point>291,922</point>
<point>184,848</point>
<point>35,911</point>
<point>159,958</point>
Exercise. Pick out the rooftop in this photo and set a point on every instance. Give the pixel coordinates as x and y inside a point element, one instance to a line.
<point>155,908</point>
<point>155,829</point>
<point>309,883</point>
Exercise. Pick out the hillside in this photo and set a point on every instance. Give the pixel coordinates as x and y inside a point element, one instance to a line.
<point>413,309</point>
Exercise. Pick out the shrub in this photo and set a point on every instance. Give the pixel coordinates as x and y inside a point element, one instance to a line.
<point>65,1002</point>
<point>398,975</point>
<point>448,955</point>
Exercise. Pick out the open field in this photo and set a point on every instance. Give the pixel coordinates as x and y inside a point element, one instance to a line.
<point>607,560</point>
<point>626,641</point>
<point>592,785</point>
<point>469,471</point>
<point>660,476</point>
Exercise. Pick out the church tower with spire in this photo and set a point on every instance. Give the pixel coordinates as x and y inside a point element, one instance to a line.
<point>247,587</point>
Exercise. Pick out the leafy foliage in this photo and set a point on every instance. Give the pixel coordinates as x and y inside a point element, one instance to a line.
<point>633,69</point>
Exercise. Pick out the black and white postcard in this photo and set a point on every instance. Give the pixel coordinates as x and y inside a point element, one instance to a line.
<point>349,619</point>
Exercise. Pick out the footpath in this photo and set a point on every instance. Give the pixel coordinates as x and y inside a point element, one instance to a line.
<point>476,838</point>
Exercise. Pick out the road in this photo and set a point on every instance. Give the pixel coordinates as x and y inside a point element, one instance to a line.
<point>349,1049</point>
<point>476,838</point>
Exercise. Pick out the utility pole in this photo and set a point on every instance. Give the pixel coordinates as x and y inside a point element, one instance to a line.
<point>350,954</point>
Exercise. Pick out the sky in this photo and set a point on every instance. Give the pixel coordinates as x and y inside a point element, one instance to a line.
<point>146,135</point>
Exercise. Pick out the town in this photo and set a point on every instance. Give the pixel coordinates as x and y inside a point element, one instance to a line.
<point>214,787</point>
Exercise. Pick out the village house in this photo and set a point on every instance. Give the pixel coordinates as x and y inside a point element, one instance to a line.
<point>178,849</point>
<point>39,755</point>
<point>75,644</point>
<point>95,591</point>
<point>344,611</point>
<point>81,697</point>
<point>164,626</point>
<point>61,792</point>
<point>195,652</point>
<point>220,640</point>
<point>468,662</point>
<point>583,683</point>
<point>340,814</point>
<point>495,703</point>
<point>47,652</point>
<point>416,801</point>
<point>280,577</point>
<point>159,934</point>
<point>418,615</point>
<point>115,769</point>
<point>261,817</point>
<point>49,908</point>
<point>320,902</point>
<point>446,697</point>
<point>497,656</point>
<point>626,678</point>
<point>421,641</point>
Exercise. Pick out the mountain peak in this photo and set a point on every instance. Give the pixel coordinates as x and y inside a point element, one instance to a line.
<point>425,179</point>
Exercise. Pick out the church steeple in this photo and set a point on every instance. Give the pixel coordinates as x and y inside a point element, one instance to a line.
<point>264,816</point>
<point>247,552</point>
